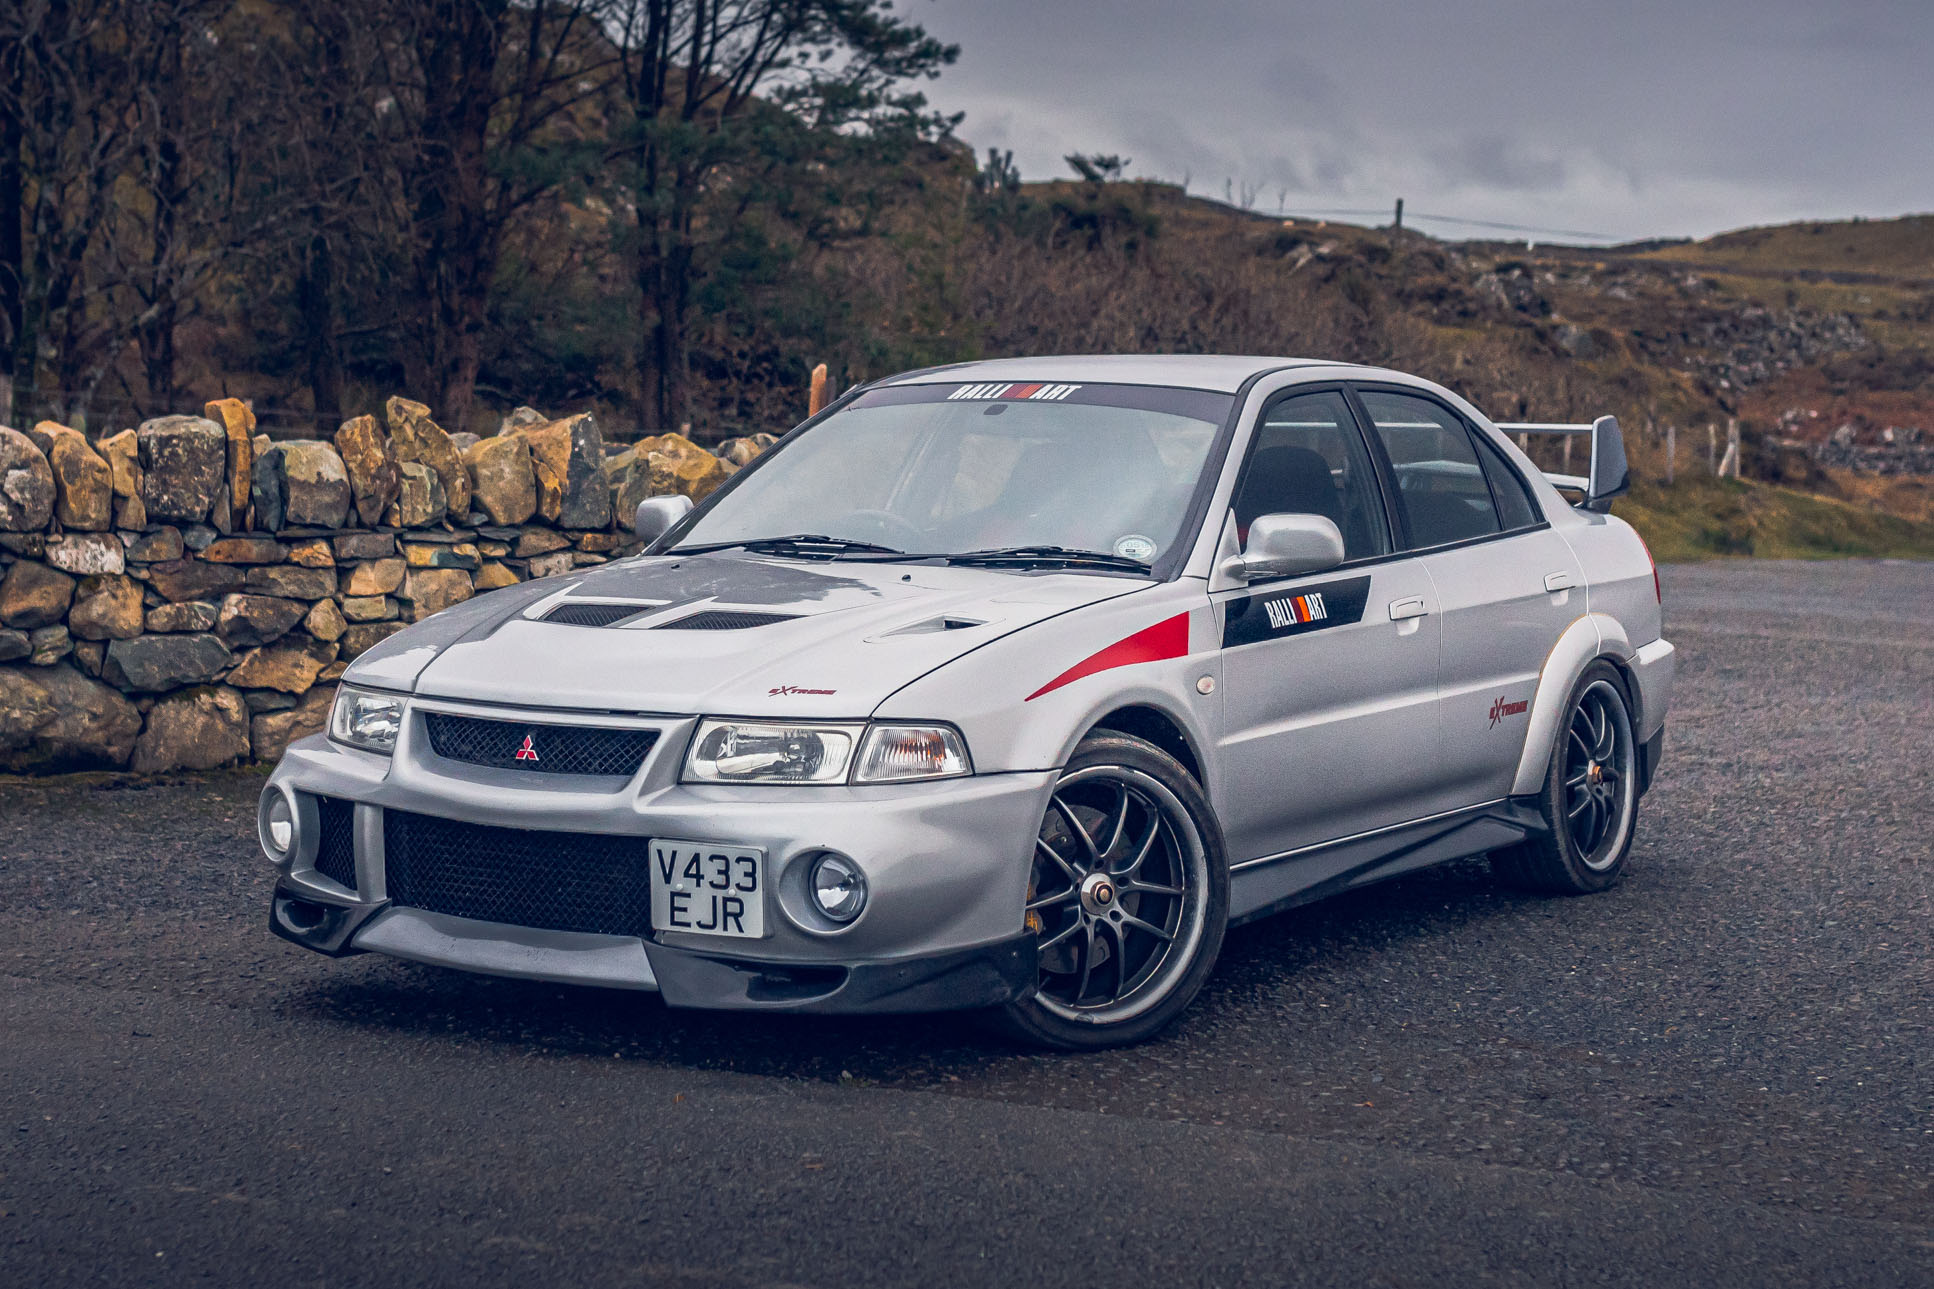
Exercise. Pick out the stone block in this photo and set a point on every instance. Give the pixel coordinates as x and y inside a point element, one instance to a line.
<point>107,607</point>
<point>26,484</point>
<point>193,579</point>
<point>367,635</point>
<point>163,662</point>
<point>413,436</point>
<point>567,457</point>
<point>184,466</point>
<point>87,553</point>
<point>368,608</point>
<point>291,582</point>
<point>431,590</point>
<point>76,724</point>
<point>325,621</point>
<point>33,595</point>
<point>462,555</point>
<point>271,733</point>
<point>257,619</point>
<point>49,645</point>
<point>364,546</point>
<point>373,475</point>
<point>376,577</point>
<point>238,425</point>
<point>122,452</point>
<point>245,550</point>
<point>83,485</point>
<point>162,544</point>
<point>198,729</point>
<point>190,615</point>
<point>311,552</point>
<point>290,668</point>
<point>501,479</point>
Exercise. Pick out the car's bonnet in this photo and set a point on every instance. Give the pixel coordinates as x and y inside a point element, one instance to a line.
<point>724,633</point>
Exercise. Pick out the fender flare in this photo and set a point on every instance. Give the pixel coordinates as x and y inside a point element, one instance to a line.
<point>1589,638</point>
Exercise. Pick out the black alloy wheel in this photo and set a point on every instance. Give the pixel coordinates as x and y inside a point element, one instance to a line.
<point>1590,796</point>
<point>1128,897</point>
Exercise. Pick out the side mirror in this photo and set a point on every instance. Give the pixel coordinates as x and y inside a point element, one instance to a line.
<point>1284,545</point>
<point>1610,475</point>
<point>656,515</point>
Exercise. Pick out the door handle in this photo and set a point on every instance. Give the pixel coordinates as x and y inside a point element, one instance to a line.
<point>1560,581</point>
<point>1411,608</point>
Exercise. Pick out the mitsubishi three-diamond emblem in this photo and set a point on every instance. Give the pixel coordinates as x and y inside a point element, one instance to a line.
<point>527,752</point>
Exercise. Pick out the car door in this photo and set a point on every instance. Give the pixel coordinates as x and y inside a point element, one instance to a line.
<point>1507,584</point>
<point>1329,679</point>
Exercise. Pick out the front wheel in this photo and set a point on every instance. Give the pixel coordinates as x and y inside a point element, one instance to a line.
<point>1128,897</point>
<point>1590,796</point>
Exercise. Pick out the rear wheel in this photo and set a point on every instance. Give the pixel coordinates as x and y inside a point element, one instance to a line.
<point>1590,796</point>
<point>1128,897</point>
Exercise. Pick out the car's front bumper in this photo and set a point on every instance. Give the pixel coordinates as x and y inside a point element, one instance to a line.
<point>946,864</point>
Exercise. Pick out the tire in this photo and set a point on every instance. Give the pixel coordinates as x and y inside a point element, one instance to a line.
<point>1590,796</point>
<point>1129,895</point>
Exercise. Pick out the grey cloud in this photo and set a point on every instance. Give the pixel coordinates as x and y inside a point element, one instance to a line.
<point>1652,117</point>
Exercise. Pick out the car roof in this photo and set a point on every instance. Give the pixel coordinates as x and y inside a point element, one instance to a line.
<point>1223,373</point>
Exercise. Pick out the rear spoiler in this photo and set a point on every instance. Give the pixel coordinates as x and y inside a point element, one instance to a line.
<point>1608,476</point>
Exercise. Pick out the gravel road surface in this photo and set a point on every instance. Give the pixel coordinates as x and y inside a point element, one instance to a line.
<point>1720,1073</point>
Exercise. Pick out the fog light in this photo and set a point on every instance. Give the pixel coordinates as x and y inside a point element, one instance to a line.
<point>838,887</point>
<point>275,826</point>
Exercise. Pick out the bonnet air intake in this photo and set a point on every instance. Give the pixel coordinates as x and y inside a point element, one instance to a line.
<point>721,620</point>
<point>592,615</point>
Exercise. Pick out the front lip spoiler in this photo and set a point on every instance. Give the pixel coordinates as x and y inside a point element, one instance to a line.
<point>981,976</point>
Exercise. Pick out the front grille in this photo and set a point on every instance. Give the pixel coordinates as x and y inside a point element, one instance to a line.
<point>593,615</point>
<point>551,749</point>
<point>336,844</point>
<point>721,620</point>
<point>554,881</point>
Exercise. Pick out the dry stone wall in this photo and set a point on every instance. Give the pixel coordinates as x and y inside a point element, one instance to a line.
<point>185,595</point>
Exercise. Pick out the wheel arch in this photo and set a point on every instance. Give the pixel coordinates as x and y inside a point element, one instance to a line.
<point>1590,638</point>
<point>1153,725</point>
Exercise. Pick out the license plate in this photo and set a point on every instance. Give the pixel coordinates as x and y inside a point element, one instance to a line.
<point>708,888</point>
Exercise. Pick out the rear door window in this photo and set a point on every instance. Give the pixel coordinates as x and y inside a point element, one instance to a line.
<point>1440,485</point>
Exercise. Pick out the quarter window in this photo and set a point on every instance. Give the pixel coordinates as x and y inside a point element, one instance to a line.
<point>1440,484</point>
<point>1308,458</point>
<point>1507,485</point>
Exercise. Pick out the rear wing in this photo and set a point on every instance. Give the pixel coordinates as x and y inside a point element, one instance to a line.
<point>1608,476</point>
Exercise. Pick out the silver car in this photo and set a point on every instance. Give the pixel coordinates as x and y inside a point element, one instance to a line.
<point>1006,686</point>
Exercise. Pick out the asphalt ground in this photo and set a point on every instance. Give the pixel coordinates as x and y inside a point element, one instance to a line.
<point>1720,1073</point>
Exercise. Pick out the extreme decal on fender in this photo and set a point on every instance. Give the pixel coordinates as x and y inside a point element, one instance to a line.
<point>1166,639</point>
<point>1272,615</point>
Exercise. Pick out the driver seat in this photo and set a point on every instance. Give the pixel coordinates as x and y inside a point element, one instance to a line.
<point>1287,479</point>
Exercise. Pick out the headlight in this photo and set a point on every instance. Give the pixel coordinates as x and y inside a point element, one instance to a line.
<point>366,719</point>
<point>771,752</point>
<point>893,753</point>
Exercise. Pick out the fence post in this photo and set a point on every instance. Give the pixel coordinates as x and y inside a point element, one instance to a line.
<point>1729,464</point>
<point>1712,448</point>
<point>1564,464</point>
<point>817,399</point>
<point>1671,451</point>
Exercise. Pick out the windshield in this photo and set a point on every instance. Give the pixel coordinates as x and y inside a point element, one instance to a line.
<point>972,468</point>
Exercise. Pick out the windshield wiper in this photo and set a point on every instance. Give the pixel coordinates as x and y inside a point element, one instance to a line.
<point>802,545</point>
<point>1050,557</point>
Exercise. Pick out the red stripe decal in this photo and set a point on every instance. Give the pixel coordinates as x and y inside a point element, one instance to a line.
<point>1020,391</point>
<point>1164,640</point>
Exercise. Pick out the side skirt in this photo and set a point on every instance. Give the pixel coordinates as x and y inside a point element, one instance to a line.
<point>1259,887</point>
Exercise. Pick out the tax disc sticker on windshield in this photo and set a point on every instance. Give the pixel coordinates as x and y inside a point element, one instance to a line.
<point>1135,546</point>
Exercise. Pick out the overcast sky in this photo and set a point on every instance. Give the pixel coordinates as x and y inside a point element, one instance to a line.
<point>1642,118</point>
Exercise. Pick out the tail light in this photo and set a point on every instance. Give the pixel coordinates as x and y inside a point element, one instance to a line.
<point>1657,594</point>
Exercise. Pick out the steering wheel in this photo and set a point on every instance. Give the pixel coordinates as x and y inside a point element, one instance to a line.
<point>891,529</point>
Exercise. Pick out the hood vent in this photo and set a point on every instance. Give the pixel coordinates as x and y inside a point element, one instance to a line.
<point>723,620</point>
<point>590,614</point>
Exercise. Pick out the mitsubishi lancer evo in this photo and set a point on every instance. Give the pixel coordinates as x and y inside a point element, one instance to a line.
<point>1006,686</point>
